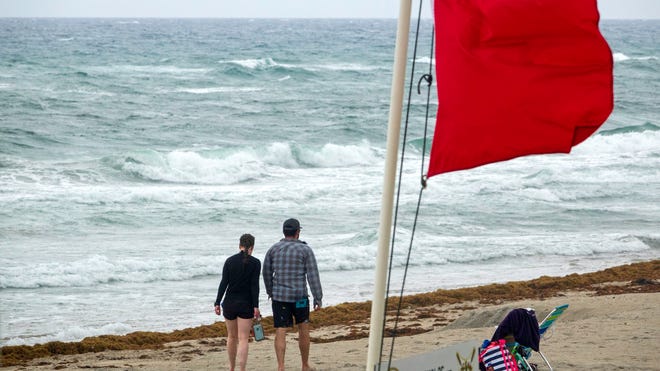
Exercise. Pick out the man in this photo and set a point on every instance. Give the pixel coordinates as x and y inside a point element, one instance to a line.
<point>288,266</point>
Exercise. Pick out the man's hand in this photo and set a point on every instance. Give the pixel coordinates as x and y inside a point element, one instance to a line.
<point>257,314</point>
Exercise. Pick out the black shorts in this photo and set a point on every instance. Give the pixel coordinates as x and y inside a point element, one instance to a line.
<point>232,309</point>
<point>285,312</point>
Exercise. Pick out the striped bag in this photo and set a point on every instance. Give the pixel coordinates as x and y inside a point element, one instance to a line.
<point>496,357</point>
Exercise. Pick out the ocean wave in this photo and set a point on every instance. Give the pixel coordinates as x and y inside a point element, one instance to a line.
<point>149,69</point>
<point>627,139</point>
<point>21,172</point>
<point>88,93</point>
<point>479,249</point>
<point>188,167</point>
<point>269,63</point>
<point>437,250</point>
<point>217,89</point>
<point>237,165</point>
<point>335,155</point>
<point>652,242</point>
<point>73,333</point>
<point>347,67</point>
<point>251,68</point>
<point>425,60</point>
<point>254,63</point>
<point>441,250</point>
<point>638,140</point>
<point>631,129</point>
<point>620,57</point>
<point>25,139</point>
<point>99,269</point>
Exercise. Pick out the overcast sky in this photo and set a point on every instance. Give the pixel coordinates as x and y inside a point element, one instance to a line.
<point>609,9</point>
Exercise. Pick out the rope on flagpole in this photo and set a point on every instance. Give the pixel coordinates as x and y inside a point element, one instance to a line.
<point>429,79</point>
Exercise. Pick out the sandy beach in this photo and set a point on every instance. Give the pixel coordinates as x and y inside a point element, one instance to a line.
<point>610,326</point>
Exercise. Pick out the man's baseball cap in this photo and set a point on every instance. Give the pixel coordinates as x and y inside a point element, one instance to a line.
<point>291,225</point>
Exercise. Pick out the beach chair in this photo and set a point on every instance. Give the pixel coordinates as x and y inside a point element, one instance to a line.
<point>551,318</point>
<point>522,353</point>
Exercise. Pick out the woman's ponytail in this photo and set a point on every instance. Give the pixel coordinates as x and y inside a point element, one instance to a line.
<point>247,242</point>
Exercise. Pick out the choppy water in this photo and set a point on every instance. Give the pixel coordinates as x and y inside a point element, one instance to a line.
<point>134,153</point>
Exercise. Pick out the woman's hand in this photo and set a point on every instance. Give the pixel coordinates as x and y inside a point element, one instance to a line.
<point>218,310</point>
<point>257,314</point>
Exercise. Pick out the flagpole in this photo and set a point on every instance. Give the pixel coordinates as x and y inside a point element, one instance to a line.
<point>385,230</point>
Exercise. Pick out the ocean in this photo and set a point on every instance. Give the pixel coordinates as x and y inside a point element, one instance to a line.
<point>135,152</point>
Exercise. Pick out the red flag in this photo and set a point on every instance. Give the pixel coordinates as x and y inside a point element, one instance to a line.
<point>517,77</point>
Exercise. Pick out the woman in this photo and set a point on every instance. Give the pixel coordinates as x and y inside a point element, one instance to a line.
<point>240,288</point>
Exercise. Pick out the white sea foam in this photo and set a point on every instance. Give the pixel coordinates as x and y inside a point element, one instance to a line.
<point>72,333</point>
<point>333,155</point>
<point>184,166</point>
<point>263,63</point>
<point>637,145</point>
<point>149,69</point>
<point>280,154</point>
<point>100,269</point>
<point>620,57</point>
<point>425,60</point>
<point>89,92</point>
<point>340,67</point>
<point>218,89</point>
<point>191,167</point>
<point>97,269</point>
<point>253,63</point>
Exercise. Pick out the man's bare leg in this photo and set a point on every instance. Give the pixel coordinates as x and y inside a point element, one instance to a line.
<point>232,342</point>
<point>280,346</point>
<point>303,344</point>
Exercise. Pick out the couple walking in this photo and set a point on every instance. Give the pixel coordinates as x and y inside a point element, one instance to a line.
<point>288,265</point>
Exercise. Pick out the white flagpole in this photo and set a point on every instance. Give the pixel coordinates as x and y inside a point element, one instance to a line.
<point>385,230</point>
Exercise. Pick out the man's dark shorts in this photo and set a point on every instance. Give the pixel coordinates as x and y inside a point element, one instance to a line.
<point>232,309</point>
<point>284,313</point>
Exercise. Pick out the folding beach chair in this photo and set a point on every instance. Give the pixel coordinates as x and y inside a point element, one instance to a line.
<point>551,318</point>
<point>522,353</point>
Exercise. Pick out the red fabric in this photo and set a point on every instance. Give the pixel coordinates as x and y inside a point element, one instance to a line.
<point>517,77</point>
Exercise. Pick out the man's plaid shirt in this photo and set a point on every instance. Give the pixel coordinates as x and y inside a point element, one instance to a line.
<point>287,267</point>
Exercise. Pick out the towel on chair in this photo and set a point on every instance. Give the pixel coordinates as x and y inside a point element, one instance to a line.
<point>523,325</point>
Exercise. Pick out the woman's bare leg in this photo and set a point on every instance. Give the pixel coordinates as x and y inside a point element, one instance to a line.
<point>232,342</point>
<point>244,327</point>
